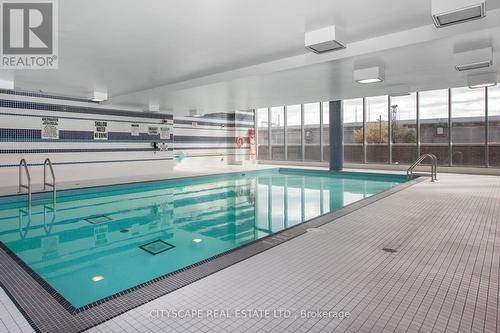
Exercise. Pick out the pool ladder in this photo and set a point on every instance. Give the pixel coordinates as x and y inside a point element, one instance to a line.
<point>419,160</point>
<point>53,184</point>
<point>23,166</point>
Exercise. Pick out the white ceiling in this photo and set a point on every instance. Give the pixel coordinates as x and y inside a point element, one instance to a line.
<point>237,54</point>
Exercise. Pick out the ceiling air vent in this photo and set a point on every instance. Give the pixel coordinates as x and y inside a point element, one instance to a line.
<point>474,59</point>
<point>482,80</point>
<point>369,75</point>
<point>324,40</point>
<point>448,12</point>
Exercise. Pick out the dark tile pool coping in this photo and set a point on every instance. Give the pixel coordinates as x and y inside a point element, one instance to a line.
<point>47,311</point>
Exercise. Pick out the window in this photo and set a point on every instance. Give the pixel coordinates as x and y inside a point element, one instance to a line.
<point>326,131</point>
<point>468,130</point>
<point>494,126</point>
<point>293,121</point>
<point>311,132</point>
<point>403,128</point>
<point>262,134</point>
<point>434,124</point>
<point>278,133</point>
<point>353,130</point>
<point>377,130</point>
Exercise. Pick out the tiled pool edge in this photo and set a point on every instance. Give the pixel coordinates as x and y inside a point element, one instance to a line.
<point>22,288</point>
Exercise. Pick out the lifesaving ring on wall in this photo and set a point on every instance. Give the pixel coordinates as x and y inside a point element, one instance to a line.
<point>239,142</point>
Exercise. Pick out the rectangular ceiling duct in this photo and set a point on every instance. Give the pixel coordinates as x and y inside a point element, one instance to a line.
<point>482,80</point>
<point>449,12</point>
<point>369,75</point>
<point>474,59</point>
<point>324,40</point>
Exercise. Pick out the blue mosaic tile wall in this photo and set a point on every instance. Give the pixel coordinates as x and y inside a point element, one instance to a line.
<point>69,133</point>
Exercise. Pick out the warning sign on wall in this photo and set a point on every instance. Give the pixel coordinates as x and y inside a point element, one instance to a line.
<point>153,130</point>
<point>50,128</point>
<point>101,130</point>
<point>165,133</point>
<point>134,129</point>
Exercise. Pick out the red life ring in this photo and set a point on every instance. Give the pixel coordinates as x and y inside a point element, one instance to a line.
<point>239,142</point>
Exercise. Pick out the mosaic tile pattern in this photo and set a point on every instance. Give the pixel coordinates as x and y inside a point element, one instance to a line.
<point>212,135</point>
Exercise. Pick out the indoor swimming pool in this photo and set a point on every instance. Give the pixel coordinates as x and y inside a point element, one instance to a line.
<point>100,241</point>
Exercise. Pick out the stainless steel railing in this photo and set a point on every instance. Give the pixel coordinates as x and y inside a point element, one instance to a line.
<point>45,183</point>
<point>419,160</point>
<point>23,164</point>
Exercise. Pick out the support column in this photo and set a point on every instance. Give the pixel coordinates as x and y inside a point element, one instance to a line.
<point>336,136</point>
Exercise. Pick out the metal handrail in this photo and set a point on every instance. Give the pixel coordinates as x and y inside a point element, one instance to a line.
<point>419,160</point>
<point>22,164</point>
<point>53,184</point>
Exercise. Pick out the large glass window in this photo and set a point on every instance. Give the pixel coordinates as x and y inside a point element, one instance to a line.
<point>494,125</point>
<point>468,112</point>
<point>326,131</point>
<point>262,134</point>
<point>377,125</point>
<point>293,121</point>
<point>311,131</point>
<point>467,132</point>
<point>434,124</point>
<point>353,130</point>
<point>278,133</point>
<point>403,131</point>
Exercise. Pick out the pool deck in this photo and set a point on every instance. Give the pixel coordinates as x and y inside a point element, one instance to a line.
<point>443,277</point>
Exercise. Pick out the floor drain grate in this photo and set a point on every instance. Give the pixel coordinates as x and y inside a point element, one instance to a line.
<point>98,219</point>
<point>390,250</point>
<point>156,247</point>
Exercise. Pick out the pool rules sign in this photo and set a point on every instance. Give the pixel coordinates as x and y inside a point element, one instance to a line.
<point>50,128</point>
<point>101,130</point>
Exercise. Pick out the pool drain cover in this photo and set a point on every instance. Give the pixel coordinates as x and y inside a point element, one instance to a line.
<point>98,219</point>
<point>390,250</point>
<point>156,247</point>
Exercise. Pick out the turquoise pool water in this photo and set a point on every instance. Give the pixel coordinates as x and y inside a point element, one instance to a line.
<point>103,240</point>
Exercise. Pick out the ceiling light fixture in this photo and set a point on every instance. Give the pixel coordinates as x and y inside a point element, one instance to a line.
<point>6,83</point>
<point>194,113</point>
<point>449,12</point>
<point>153,106</point>
<point>369,75</point>
<point>400,94</point>
<point>99,95</point>
<point>482,80</point>
<point>324,40</point>
<point>474,59</point>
